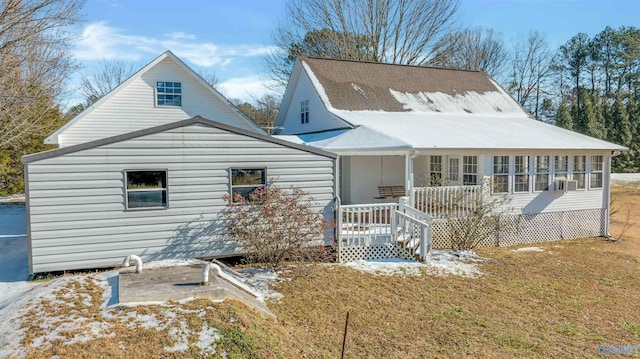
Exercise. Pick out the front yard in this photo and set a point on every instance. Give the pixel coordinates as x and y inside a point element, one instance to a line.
<point>565,299</point>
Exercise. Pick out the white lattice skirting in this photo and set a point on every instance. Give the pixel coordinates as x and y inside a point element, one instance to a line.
<point>533,228</point>
<point>380,251</point>
<point>522,229</point>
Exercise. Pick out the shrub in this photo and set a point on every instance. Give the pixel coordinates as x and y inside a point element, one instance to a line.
<point>273,225</point>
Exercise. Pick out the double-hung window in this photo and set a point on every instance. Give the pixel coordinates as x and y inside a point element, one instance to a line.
<point>304,111</point>
<point>521,174</point>
<point>500,174</point>
<point>435,171</point>
<point>560,167</point>
<point>469,170</point>
<point>169,93</point>
<point>580,171</point>
<point>246,180</point>
<point>146,189</point>
<point>597,168</point>
<point>541,182</point>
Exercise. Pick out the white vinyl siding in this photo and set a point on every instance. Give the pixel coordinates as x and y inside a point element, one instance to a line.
<point>134,107</point>
<point>291,115</point>
<point>77,205</point>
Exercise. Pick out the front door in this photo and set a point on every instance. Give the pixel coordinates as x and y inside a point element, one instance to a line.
<point>454,171</point>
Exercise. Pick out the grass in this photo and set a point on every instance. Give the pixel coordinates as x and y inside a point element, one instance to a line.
<point>563,302</point>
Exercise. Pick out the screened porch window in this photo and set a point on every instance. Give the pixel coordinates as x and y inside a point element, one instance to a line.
<point>246,180</point>
<point>500,174</point>
<point>435,171</point>
<point>521,174</point>
<point>560,167</point>
<point>542,173</point>
<point>597,167</point>
<point>469,170</point>
<point>146,189</point>
<point>580,170</point>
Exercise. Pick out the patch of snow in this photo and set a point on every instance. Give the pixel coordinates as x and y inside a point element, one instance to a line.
<point>171,263</point>
<point>18,197</point>
<point>439,262</point>
<point>488,103</point>
<point>529,249</point>
<point>318,86</point>
<point>624,178</point>
<point>261,281</point>
<point>207,339</point>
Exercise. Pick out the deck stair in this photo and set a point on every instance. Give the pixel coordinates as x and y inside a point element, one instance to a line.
<point>387,230</point>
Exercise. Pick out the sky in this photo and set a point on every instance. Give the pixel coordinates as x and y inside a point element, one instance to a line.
<point>229,38</point>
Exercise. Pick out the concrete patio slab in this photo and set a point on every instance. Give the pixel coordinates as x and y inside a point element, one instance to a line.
<point>181,282</point>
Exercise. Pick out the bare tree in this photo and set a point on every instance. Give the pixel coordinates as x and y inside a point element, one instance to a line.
<point>473,49</point>
<point>106,76</point>
<point>34,62</point>
<point>263,111</point>
<point>402,32</point>
<point>531,69</point>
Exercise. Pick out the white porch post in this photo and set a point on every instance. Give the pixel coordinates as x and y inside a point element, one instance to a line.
<point>408,179</point>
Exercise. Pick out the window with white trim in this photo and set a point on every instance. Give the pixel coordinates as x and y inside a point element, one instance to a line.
<point>169,93</point>
<point>304,111</point>
<point>560,167</point>
<point>500,180</point>
<point>541,182</point>
<point>435,170</point>
<point>145,189</point>
<point>469,170</point>
<point>597,170</point>
<point>521,174</point>
<point>246,180</point>
<point>580,170</point>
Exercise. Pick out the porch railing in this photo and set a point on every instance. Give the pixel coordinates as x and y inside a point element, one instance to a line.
<point>439,202</point>
<point>365,224</point>
<point>380,224</point>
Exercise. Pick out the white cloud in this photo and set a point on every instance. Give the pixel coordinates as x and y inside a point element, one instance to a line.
<point>100,41</point>
<point>244,88</point>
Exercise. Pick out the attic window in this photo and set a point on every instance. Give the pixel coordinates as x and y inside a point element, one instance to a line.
<point>169,93</point>
<point>304,111</point>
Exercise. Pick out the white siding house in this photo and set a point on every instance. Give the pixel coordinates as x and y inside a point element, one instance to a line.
<point>435,132</point>
<point>85,211</point>
<point>138,103</point>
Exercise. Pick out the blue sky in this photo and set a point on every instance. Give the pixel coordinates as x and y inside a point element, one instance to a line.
<point>229,38</point>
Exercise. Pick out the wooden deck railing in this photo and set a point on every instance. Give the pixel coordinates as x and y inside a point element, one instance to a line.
<point>456,201</point>
<point>378,224</point>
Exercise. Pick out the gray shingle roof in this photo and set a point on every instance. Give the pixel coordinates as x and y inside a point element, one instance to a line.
<point>361,86</point>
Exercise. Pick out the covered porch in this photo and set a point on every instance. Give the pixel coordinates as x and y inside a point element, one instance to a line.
<point>428,178</point>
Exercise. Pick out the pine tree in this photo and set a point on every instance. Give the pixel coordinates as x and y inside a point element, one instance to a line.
<point>563,117</point>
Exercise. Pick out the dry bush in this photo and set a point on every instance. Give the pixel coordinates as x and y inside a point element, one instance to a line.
<point>488,219</point>
<point>273,225</point>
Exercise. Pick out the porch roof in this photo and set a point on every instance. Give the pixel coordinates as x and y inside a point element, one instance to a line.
<point>378,130</point>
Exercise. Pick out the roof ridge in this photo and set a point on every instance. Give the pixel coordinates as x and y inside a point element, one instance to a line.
<point>389,64</point>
